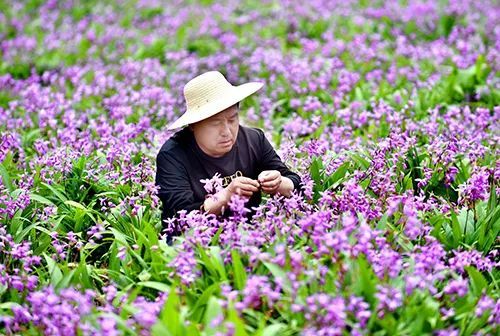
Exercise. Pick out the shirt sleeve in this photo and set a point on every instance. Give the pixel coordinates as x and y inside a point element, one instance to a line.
<point>271,161</point>
<point>175,190</point>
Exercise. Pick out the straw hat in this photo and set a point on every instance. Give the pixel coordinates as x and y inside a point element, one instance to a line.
<point>209,94</point>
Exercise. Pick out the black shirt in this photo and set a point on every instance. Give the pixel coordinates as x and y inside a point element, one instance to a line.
<point>181,164</point>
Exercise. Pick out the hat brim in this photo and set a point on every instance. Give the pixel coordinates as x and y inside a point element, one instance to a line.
<point>237,94</point>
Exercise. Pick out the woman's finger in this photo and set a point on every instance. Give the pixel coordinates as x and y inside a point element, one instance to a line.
<point>270,190</point>
<point>251,182</point>
<point>271,184</point>
<point>249,187</point>
<point>245,190</point>
<point>245,193</point>
<point>264,176</point>
<point>271,176</point>
<point>249,190</point>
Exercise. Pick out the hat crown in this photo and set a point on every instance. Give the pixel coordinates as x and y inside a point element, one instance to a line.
<point>206,88</point>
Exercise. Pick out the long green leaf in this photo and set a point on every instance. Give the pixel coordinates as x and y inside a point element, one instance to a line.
<point>6,180</point>
<point>40,199</point>
<point>170,315</point>
<point>339,173</point>
<point>159,286</point>
<point>455,228</point>
<point>274,329</point>
<point>56,192</point>
<point>54,271</point>
<point>218,262</point>
<point>214,310</point>
<point>199,308</point>
<point>240,276</point>
<point>239,326</point>
<point>478,282</point>
<point>365,280</point>
<point>279,273</point>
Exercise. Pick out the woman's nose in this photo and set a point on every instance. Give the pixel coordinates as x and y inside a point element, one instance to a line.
<point>226,130</point>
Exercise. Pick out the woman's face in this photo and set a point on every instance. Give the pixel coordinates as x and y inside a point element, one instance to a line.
<point>217,134</point>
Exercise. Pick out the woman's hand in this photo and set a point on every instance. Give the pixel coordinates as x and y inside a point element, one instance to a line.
<point>242,186</point>
<point>270,181</point>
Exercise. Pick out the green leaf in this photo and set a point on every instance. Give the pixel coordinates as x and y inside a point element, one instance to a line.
<point>382,224</point>
<point>76,205</point>
<point>240,277</point>
<point>82,274</point>
<point>218,262</point>
<point>170,315</point>
<point>9,305</point>
<point>315,169</point>
<point>207,262</point>
<point>478,282</point>
<point>360,161</point>
<point>216,236</point>
<point>365,280</point>
<point>54,271</point>
<point>446,23</point>
<point>160,329</point>
<point>336,178</point>
<point>279,273</point>
<point>56,192</point>
<point>273,329</point>
<point>437,222</point>
<point>199,308</point>
<point>214,310</point>
<point>456,230</point>
<point>340,172</point>
<point>159,286</point>
<point>6,180</point>
<point>66,280</point>
<point>466,220</point>
<point>492,200</point>
<point>29,137</point>
<point>41,199</point>
<point>19,237</point>
<point>239,326</point>
<point>122,239</point>
<point>480,323</point>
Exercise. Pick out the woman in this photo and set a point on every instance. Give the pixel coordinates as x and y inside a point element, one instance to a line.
<point>215,143</point>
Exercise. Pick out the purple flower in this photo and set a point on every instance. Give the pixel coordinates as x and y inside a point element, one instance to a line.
<point>389,299</point>
<point>461,259</point>
<point>484,304</point>
<point>237,206</point>
<point>458,287</point>
<point>259,291</point>
<point>476,187</point>
<point>360,309</point>
<point>107,326</point>
<point>212,185</point>
<point>325,314</point>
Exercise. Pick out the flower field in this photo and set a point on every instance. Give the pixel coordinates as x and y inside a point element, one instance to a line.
<point>388,110</point>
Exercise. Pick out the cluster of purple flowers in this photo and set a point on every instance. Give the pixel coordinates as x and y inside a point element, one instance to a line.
<point>73,312</point>
<point>18,267</point>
